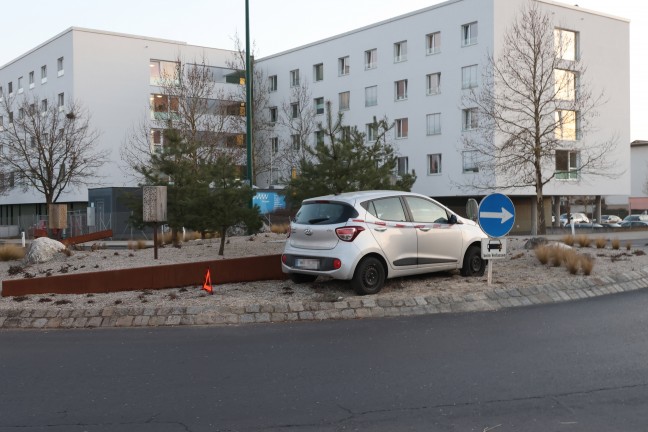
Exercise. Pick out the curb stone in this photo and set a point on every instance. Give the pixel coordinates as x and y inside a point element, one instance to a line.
<point>357,308</point>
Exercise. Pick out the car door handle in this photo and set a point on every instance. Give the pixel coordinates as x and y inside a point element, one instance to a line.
<point>424,228</point>
<point>380,229</point>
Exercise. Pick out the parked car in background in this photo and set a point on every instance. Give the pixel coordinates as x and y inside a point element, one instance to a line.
<point>610,219</point>
<point>370,236</point>
<point>575,218</point>
<point>584,225</point>
<point>634,224</point>
<point>635,217</point>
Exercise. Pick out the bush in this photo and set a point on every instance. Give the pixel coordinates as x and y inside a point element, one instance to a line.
<point>600,243</point>
<point>586,264</point>
<point>280,228</point>
<point>10,252</point>
<point>584,241</point>
<point>568,240</point>
<point>616,244</point>
<point>543,253</point>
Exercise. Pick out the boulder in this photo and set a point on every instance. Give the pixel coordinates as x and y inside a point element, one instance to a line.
<point>535,242</point>
<point>43,249</point>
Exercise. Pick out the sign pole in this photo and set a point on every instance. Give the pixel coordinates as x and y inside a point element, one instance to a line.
<point>490,271</point>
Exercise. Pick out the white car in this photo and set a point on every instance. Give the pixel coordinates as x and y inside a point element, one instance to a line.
<point>576,218</point>
<point>369,236</point>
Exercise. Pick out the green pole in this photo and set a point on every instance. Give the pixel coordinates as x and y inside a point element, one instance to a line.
<point>248,94</point>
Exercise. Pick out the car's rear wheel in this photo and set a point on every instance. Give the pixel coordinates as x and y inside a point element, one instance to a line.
<point>369,276</point>
<point>473,264</point>
<point>302,278</point>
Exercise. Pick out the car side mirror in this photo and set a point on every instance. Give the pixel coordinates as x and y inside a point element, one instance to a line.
<point>453,219</point>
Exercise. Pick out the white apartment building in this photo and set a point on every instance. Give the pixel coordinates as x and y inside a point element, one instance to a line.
<point>414,68</point>
<point>114,76</point>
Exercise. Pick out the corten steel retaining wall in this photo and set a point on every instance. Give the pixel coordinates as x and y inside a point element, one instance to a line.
<point>247,269</point>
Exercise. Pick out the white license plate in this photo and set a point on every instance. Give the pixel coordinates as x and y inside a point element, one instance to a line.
<point>307,264</point>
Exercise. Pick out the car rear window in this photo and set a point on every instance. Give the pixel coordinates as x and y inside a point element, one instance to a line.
<point>324,213</point>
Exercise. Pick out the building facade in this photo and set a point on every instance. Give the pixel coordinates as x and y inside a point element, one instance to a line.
<point>116,77</point>
<point>414,70</point>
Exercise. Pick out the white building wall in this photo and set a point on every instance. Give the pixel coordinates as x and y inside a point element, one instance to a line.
<point>108,73</point>
<point>598,34</point>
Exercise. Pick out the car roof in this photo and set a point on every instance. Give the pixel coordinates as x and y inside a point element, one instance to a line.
<point>352,197</point>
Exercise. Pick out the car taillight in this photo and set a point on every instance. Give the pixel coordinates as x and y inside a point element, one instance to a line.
<point>337,263</point>
<point>348,234</point>
<point>284,259</point>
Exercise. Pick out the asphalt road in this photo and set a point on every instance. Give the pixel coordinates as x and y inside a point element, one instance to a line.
<point>579,366</point>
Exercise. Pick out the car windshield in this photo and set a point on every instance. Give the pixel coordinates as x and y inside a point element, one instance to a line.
<point>324,213</point>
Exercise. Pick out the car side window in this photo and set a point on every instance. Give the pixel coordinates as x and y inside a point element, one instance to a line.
<point>426,211</point>
<point>389,209</point>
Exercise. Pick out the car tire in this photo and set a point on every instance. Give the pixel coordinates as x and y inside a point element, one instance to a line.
<point>473,264</point>
<point>299,278</point>
<point>369,276</point>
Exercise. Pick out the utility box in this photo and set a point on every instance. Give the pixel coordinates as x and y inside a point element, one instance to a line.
<point>57,216</point>
<point>154,199</point>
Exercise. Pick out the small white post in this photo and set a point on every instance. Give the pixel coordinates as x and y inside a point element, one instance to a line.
<point>490,271</point>
<point>23,238</point>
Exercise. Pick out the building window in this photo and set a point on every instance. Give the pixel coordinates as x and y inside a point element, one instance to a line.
<point>371,96</point>
<point>433,83</point>
<point>156,140</point>
<point>318,71</point>
<point>400,52</point>
<point>401,89</point>
<point>566,44</point>
<point>44,106</point>
<point>469,34</point>
<point>402,128</point>
<point>295,142</point>
<point>434,124</point>
<point>433,43</point>
<point>469,77</point>
<point>163,107</point>
<point>61,101</point>
<point>345,133</point>
<point>272,83</point>
<point>434,163</point>
<point>565,85</point>
<point>403,166</point>
<point>1,93</point>
<point>371,59</point>
<point>343,66</point>
<point>371,130</point>
<point>274,144</point>
<point>345,100</point>
<point>319,105</point>
<point>43,74</point>
<point>161,72</point>
<point>567,164</point>
<point>294,110</point>
<point>469,163</point>
<point>20,85</point>
<point>567,125</point>
<point>10,117</point>
<point>31,79</point>
<point>21,113</point>
<point>319,137</point>
<point>59,66</point>
<point>294,78</point>
<point>1,123</point>
<point>273,114</point>
<point>469,119</point>
<point>10,88</point>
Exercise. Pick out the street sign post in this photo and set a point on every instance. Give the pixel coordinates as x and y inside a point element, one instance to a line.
<point>496,216</point>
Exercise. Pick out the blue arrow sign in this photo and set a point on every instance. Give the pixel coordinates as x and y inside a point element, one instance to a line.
<point>496,215</point>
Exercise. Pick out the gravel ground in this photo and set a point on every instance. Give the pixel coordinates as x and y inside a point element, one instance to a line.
<point>519,269</point>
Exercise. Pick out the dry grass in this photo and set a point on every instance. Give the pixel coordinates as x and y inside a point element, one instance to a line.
<point>572,260</point>
<point>584,240</point>
<point>568,240</point>
<point>137,244</point>
<point>543,253</point>
<point>616,244</point>
<point>587,264</point>
<point>600,243</point>
<point>10,252</point>
<point>280,228</point>
<point>628,246</point>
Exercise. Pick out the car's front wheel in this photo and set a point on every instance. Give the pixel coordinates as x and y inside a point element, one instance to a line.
<point>473,264</point>
<point>302,278</point>
<point>369,276</point>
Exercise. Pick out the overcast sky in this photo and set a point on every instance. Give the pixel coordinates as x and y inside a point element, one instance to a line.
<point>275,26</point>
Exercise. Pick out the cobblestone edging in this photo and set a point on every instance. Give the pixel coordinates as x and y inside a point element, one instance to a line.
<point>356,308</point>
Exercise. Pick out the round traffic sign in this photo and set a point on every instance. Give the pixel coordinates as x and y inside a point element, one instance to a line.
<point>496,215</point>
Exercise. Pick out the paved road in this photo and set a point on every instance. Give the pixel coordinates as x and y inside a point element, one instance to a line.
<point>576,366</point>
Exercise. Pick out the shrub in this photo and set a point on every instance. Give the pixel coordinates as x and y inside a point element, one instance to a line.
<point>568,240</point>
<point>628,246</point>
<point>572,261</point>
<point>280,228</point>
<point>10,252</point>
<point>616,244</point>
<point>137,244</point>
<point>543,253</point>
<point>557,256</point>
<point>14,270</point>
<point>583,240</point>
<point>586,264</point>
<point>600,243</point>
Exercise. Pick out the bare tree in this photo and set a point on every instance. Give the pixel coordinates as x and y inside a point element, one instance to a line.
<point>298,118</point>
<point>532,117</point>
<point>49,147</point>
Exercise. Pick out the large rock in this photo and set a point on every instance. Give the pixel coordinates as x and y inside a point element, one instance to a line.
<point>43,249</point>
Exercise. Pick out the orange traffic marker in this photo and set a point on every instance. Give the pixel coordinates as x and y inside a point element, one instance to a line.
<point>207,285</point>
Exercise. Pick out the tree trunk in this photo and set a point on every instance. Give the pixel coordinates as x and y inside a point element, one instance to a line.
<point>221,250</point>
<point>542,225</point>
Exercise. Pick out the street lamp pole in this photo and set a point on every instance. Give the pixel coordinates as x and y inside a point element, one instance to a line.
<point>248,94</point>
